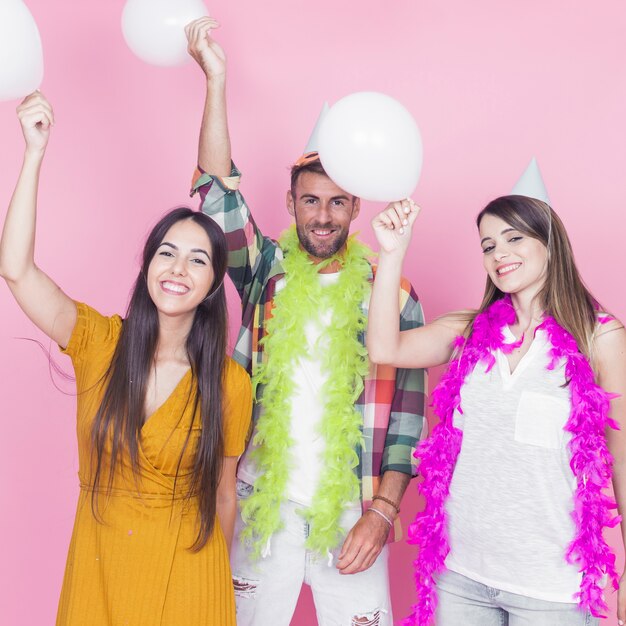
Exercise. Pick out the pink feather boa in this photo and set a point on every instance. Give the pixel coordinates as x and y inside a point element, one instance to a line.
<point>591,462</point>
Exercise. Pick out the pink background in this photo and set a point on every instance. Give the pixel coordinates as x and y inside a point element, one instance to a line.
<point>490,83</point>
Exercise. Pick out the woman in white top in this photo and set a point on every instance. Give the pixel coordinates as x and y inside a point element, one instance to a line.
<point>515,471</point>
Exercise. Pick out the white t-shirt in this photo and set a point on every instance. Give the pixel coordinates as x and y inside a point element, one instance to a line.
<point>307,409</point>
<point>512,491</point>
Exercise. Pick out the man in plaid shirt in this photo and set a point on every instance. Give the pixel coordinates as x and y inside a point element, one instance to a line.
<point>354,589</point>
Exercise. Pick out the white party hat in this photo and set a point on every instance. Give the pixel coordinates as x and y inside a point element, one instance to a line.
<point>531,184</point>
<point>313,143</point>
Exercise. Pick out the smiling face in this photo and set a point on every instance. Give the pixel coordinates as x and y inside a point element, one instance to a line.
<point>180,273</point>
<point>515,261</point>
<point>323,213</point>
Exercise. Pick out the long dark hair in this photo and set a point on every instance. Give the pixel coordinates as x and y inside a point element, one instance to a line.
<point>117,424</point>
<point>564,294</point>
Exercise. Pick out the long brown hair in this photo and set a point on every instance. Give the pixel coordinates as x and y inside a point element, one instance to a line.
<point>121,414</point>
<point>564,296</point>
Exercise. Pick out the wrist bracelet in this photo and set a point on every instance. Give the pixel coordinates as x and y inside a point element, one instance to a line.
<point>382,515</point>
<point>388,501</point>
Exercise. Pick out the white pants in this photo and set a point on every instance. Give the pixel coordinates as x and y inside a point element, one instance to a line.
<point>267,590</point>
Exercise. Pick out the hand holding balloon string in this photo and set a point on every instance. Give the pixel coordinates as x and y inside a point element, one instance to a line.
<point>393,226</point>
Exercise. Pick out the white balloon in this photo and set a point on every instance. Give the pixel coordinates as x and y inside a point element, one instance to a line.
<point>155,29</point>
<point>370,145</point>
<point>21,54</point>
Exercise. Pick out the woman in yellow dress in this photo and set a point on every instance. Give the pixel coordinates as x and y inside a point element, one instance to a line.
<point>162,417</point>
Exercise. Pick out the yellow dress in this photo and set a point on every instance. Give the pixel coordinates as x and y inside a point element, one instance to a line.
<point>134,567</point>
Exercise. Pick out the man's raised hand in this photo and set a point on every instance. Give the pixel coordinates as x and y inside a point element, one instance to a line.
<point>204,49</point>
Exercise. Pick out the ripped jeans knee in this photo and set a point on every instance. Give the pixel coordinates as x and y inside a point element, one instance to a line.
<point>367,619</point>
<point>244,587</point>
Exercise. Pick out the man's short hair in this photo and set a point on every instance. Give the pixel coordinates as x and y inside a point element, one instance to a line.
<point>310,164</point>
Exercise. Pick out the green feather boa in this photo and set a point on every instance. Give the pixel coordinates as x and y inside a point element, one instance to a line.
<point>341,426</point>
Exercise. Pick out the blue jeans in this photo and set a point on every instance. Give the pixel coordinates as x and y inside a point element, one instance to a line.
<point>465,601</point>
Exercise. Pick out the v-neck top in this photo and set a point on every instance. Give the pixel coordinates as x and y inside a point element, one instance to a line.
<point>512,490</point>
<point>133,565</point>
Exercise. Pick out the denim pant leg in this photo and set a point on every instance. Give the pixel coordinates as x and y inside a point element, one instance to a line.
<point>465,601</point>
<point>524,611</point>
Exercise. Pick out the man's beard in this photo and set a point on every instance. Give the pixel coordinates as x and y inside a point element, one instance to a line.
<point>321,250</point>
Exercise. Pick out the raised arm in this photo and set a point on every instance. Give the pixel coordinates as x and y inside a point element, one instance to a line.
<point>251,255</point>
<point>38,296</point>
<point>214,154</point>
<point>610,346</point>
<point>425,346</point>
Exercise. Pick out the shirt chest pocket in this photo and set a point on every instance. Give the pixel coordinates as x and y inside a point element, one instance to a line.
<point>540,420</point>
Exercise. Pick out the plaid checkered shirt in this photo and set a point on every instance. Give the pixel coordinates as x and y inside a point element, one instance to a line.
<point>392,401</point>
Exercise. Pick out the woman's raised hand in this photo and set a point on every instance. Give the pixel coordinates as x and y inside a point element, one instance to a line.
<point>35,292</point>
<point>36,117</point>
<point>393,226</point>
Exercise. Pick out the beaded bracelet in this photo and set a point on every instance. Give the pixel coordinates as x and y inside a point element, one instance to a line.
<point>388,501</point>
<point>382,515</point>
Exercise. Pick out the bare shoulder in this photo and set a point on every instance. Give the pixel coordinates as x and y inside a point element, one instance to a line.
<point>608,323</point>
<point>610,343</point>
